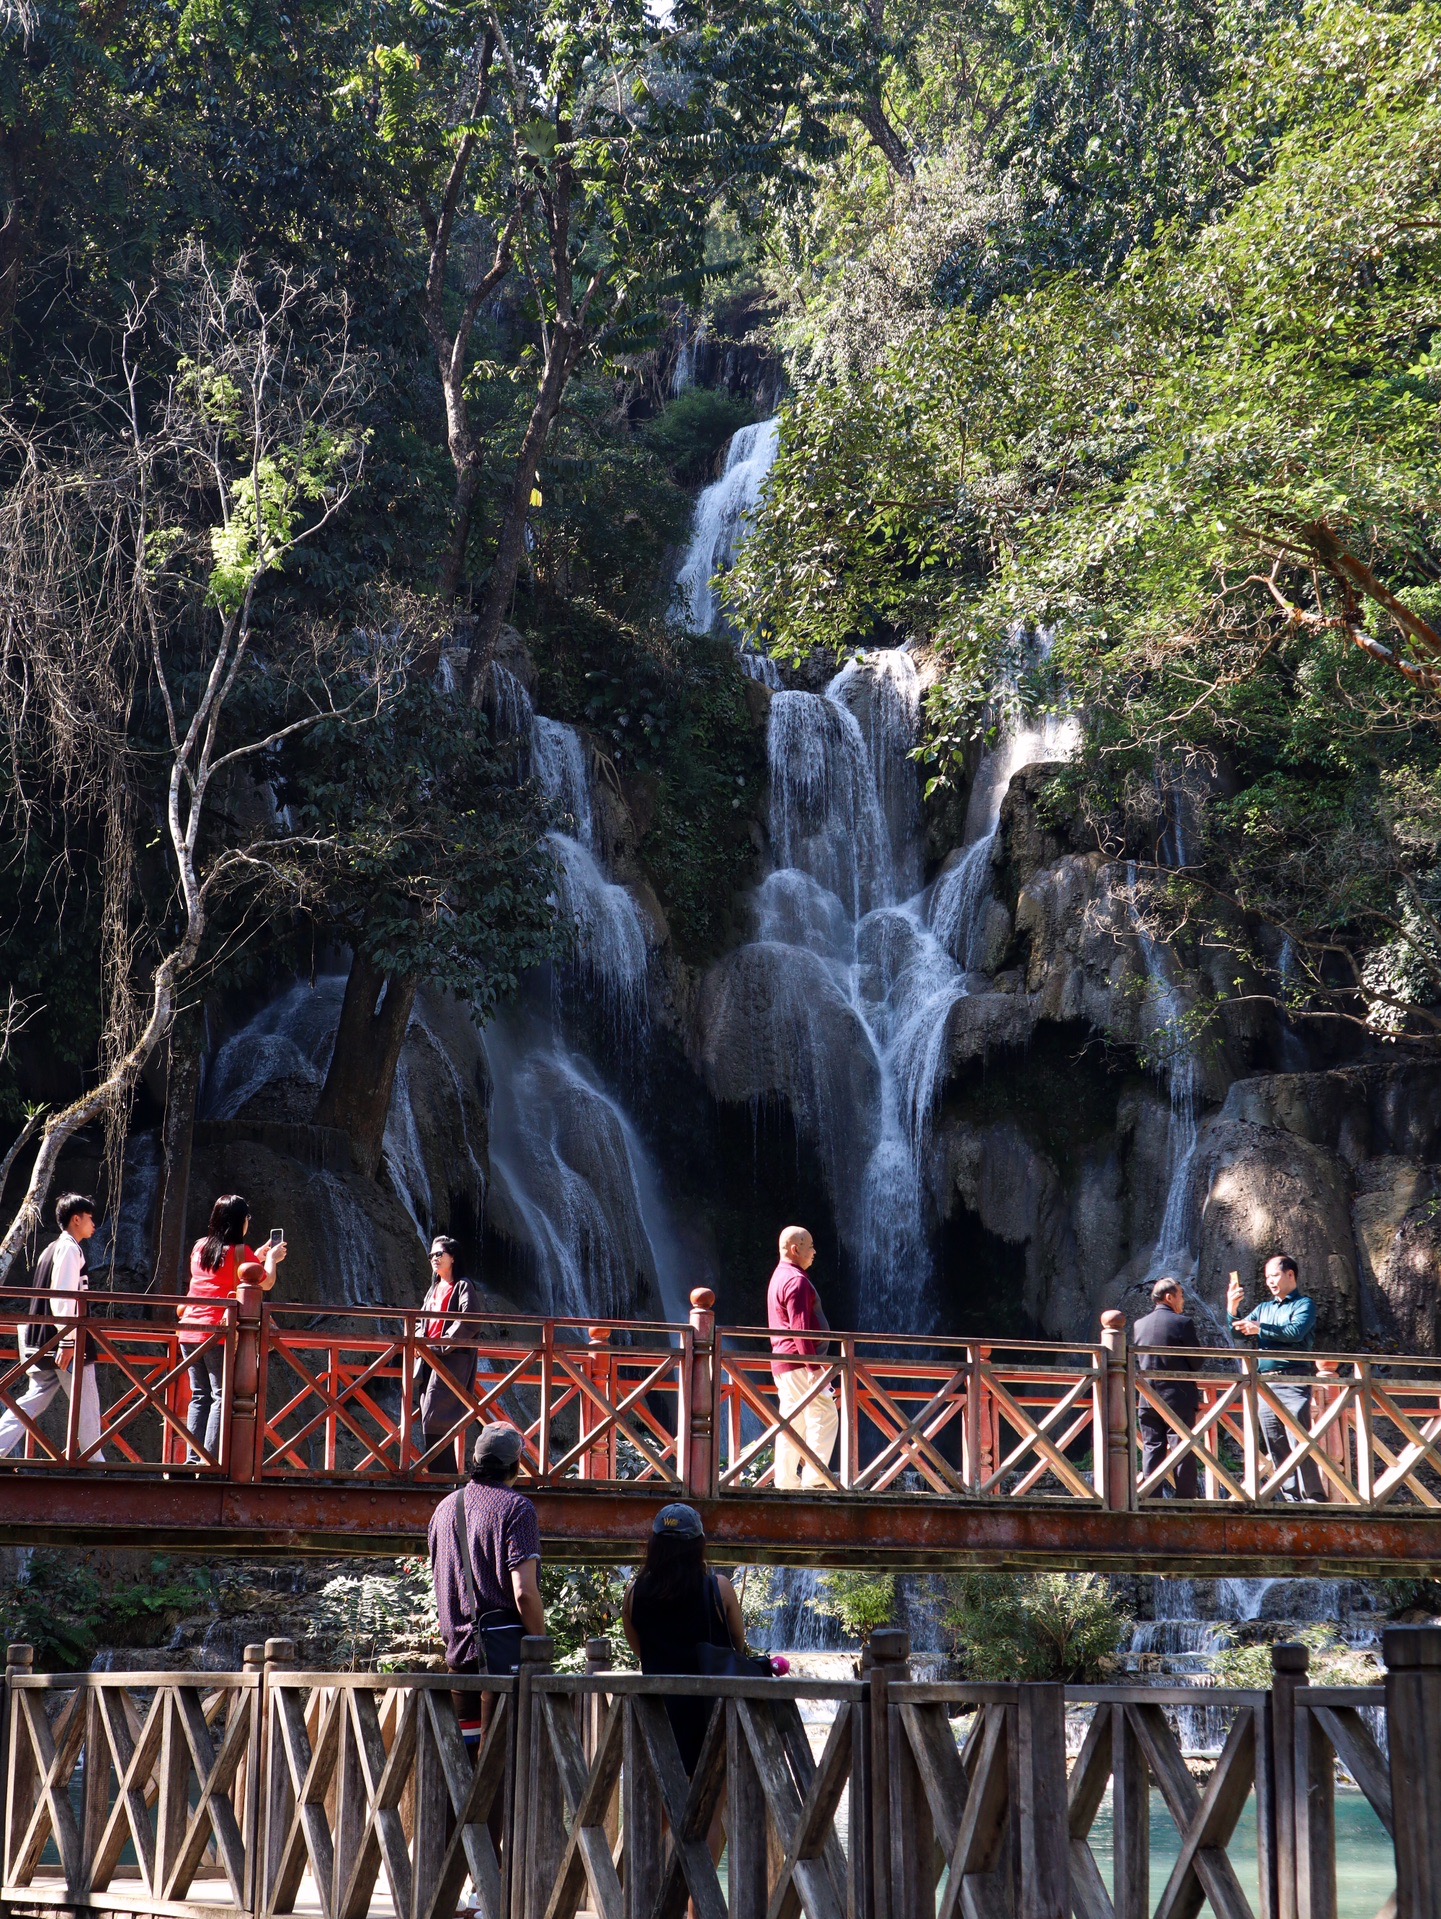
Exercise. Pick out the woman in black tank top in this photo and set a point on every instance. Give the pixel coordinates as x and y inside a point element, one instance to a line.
<point>675,1604</point>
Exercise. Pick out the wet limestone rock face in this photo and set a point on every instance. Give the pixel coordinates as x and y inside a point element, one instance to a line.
<point>997,1174</point>
<point>1268,1192</point>
<point>351,1242</point>
<point>1080,1200</point>
<point>1370,1139</point>
<point>345,1232</point>
<point>1398,1240</point>
<point>771,1022</point>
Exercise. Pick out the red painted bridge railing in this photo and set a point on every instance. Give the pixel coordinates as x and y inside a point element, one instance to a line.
<point>694,1410</point>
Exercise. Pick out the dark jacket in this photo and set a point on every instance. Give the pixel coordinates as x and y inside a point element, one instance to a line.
<point>1157,1339</point>
<point>454,1347</point>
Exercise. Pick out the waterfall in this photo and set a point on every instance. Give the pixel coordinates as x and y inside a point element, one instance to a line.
<point>1194,1619</point>
<point>960,896</point>
<point>844,996</point>
<point>1164,1015</point>
<point>610,937</point>
<point>571,1176</point>
<point>724,514</point>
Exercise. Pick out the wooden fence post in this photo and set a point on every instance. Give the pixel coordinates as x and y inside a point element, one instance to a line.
<point>697,1418</point>
<point>1276,1784</point>
<point>1413,1731</point>
<point>241,1445</point>
<point>277,1793</point>
<point>535,1819</point>
<point>1044,1891</point>
<point>890,1651</point>
<point>22,1782</point>
<point>248,1791</point>
<point>1117,1471</point>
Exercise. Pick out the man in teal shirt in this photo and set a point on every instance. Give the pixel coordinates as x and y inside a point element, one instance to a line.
<point>1283,1326</point>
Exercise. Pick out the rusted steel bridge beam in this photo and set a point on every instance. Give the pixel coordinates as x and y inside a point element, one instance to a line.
<point>610,1523</point>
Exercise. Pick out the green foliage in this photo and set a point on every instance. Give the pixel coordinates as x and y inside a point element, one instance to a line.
<point>1333,1662</point>
<point>378,1621</point>
<point>691,431</point>
<point>669,711</point>
<point>860,1600</point>
<point>584,1602</point>
<point>426,854</point>
<point>1204,460</point>
<point>1060,1626</point>
<point>65,1608</point>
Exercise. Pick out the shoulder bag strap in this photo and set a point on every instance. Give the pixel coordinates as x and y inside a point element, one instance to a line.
<point>462,1541</point>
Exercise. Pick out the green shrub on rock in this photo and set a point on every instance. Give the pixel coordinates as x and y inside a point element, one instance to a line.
<point>1009,1626</point>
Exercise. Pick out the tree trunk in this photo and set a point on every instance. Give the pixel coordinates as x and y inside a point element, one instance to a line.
<point>873,118</point>
<point>462,512</point>
<point>181,1093</point>
<point>374,1017</point>
<point>560,363</point>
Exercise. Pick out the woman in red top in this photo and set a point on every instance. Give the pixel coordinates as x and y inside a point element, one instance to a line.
<point>218,1263</point>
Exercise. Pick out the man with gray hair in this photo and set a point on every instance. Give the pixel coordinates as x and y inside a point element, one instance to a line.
<point>793,1312</point>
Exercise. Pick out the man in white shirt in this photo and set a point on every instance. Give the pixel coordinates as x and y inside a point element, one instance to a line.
<point>59,1280</point>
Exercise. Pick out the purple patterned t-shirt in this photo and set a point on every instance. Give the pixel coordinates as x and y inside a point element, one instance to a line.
<point>504,1532</point>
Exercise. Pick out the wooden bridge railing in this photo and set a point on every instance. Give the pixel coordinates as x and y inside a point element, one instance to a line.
<point>695,1410</point>
<point>274,1791</point>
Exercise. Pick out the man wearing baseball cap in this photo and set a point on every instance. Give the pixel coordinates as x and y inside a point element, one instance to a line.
<point>485,1560</point>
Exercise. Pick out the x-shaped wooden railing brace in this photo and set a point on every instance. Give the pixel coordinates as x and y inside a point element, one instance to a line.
<point>776,1423</point>
<point>968,1796</point>
<point>146,1392</point>
<point>214,1815</point>
<point>1205,1821</point>
<point>615,1415</point>
<point>309,1769</point>
<point>801,1799</point>
<point>1034,1435</point>
<point>1307,1445</point>
<point>485,1405</point>
<point>1421,1448</point>
<point>333,1402</point>
<point>586,1793</point>
<point>55,1751</point>
<point>910,1444</point>
<point>384,1778</point>
<point>472,1791</point>
<point>1192,1437</point>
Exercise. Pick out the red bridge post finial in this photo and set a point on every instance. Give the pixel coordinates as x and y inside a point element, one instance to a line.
<point>1120,1466</point>
<point>245,1422</point>
<point>696,1424</point>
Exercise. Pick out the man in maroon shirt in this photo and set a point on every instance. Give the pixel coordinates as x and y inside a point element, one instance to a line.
<point>793,1312</point>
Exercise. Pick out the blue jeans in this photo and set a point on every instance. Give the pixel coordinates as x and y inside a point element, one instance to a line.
<point>207,1370</point>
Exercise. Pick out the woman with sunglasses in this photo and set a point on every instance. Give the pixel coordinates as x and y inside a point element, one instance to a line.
<point>451,1366</point>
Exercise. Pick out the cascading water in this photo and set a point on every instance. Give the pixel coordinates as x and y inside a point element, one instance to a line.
<point>571,1176</point>
<point>845,994</point>
<point>960,895</point>
<point>724,515</point>
<point>1173,1253</point>
<point>610,954</point>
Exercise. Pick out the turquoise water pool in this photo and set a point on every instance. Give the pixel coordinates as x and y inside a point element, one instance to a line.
<point>1365,1869</point>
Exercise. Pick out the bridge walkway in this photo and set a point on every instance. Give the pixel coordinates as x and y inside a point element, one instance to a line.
<point>950,1451</point>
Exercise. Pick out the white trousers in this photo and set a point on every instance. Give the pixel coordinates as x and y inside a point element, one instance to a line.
<point>819,1424</point>
<point>45,1382</point>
